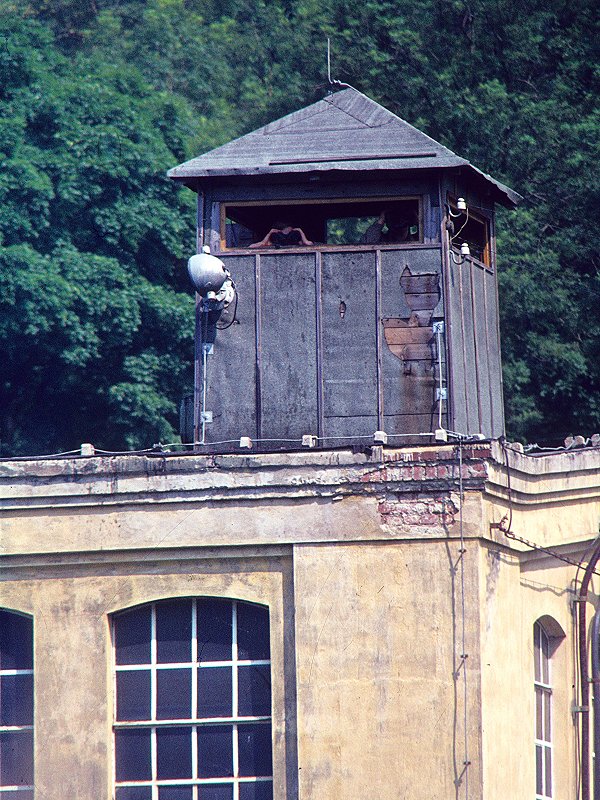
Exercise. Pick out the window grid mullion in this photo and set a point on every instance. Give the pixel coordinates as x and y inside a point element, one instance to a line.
<point>153,700</point>
<point>543,688</point>
<point>195,782</point>
<point>194,657</point>
<point>234,696</point>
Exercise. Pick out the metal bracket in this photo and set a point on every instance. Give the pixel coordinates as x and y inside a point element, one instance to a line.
<point>441,394</point>
<point>438,327</point>
<point>206,416</point>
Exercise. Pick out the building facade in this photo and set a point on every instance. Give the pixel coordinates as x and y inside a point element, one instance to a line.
<point>316,624</point>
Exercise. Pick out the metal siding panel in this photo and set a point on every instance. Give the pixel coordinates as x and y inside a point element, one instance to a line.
<point>349,343</point>
<point>231,368</point>
<point>288,341</point>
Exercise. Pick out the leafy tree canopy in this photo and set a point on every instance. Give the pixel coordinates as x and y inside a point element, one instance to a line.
<point>99,97</point>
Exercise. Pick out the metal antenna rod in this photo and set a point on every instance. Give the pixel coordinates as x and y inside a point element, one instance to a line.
<point>332,81</point>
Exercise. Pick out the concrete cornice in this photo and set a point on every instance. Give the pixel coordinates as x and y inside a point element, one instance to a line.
<point>133,479</point>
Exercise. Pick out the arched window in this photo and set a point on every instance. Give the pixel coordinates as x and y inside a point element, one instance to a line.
<point>193,701</point>
<point>542,651</point>
<point>16,705</point>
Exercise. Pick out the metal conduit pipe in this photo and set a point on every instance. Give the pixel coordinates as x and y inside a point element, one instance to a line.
<point>596,700</point>
<point>583,668</point>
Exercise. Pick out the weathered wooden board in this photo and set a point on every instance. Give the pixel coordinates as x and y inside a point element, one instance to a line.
<point>455,336</point>
<point>482,335</point>
<point>231,368</point>
<point>409,423</point>
<point>287,347</point>
<point>353,430</point>
<point>349,325</point>
<point>410,285</point>
<point>494,357</point>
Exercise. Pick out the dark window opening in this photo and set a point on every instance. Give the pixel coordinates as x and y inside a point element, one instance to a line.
<point>193,701</point>
<point>16,705</point>
<point>473,229</point>
<point>356,222</point>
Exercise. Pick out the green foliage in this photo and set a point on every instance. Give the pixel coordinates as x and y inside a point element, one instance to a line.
<point>93,240</point>
<point>99,98</point>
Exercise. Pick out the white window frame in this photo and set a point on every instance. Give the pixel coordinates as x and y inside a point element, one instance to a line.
<point>17,789</point>
<point>543,711</point>
<point>194,721</point>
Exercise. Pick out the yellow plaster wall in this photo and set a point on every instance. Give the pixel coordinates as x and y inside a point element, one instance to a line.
<point>73,669</point>
<point>375,652</point>
<point>513,597</point>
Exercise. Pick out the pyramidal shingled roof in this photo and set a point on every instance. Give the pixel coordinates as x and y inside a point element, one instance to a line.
<point>344,131</point>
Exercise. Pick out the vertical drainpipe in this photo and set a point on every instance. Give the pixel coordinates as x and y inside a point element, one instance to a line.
<point>596,700</point>
<point>583,668</point>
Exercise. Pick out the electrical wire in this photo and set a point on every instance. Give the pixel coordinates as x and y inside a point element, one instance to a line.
<point>234,318</point>
<point>464,654</point>
<point>161,448</point>
<point>461,229</point>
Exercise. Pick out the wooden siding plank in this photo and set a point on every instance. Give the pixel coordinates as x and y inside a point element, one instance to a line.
<point>349,335</point>
<point>231,367</point>
<point>288,353</point>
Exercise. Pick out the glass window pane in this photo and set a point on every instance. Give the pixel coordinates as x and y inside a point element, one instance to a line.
<point>16,758</point>
<point>539,727</point>
<point>547,720</point>
<point>252,632</point>
<point>24,794</point>
<point>174,631</point>
<point>255,753</point>
<point>132,755</point>
<point>175,793</point>
<point>16,700</point>
<point>214,692</point>
<point>548,770</point>
<point>131,793</point>
<point>539,786</point>
<point>254,691</point>
<point>174,693</point>
<point>16,641</point>
<point>215,791</point>
<point>132,636</point>
<point>257,790</point>
<point>133,695</point>
<point>174,753</point>
<point>215,751</point>
<point>214,630</point>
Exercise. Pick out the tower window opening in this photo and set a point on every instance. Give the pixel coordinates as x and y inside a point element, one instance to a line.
<point>325,222</point>
<point>472,228</point>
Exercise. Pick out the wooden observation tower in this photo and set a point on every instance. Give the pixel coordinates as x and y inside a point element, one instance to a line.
<point>385,321</point>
